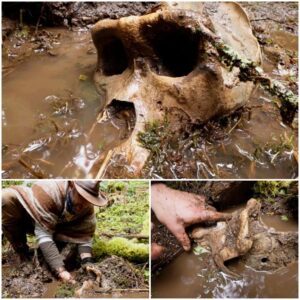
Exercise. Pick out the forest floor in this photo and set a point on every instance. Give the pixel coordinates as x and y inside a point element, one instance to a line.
<point>120,249</point>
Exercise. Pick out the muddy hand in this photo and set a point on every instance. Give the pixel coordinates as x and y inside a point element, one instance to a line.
<point>66,277</point>
<point>156,251</point>
<point>177,210</point>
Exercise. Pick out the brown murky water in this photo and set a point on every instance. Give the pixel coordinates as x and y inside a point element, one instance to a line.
<point>186,277</point>
<point>48,113</point>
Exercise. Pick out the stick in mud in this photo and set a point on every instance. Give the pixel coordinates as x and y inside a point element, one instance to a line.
<point>128,236</point>
<point>109,290</point>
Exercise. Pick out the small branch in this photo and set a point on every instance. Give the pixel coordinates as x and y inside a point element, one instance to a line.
<point>30,169</point>
<point>104,164</point>
<point>39,19</point>
<point>109,290</point>
<point>127,236</point>
<point>267,19</point>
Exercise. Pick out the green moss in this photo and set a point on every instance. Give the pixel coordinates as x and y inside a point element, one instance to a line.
<point>112,187</point>
<point>128,213</point>
<point>275,148</point>
<point>269,190</point>
<point>146,225</point>
<point>8,183</point>
<point>137,252</point>
<point>154,134</point>
<point>65,291</point>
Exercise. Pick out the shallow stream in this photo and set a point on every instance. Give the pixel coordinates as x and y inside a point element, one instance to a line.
<point>50,105</point>
<point>187,276</point>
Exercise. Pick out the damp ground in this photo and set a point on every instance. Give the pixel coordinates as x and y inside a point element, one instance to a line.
<point>50,107</point>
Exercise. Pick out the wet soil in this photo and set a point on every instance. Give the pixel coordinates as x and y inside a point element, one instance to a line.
<point>48,78</point>
<point>163,237</point>
<point>191,276</point>
<point>119,278</point>
<point>73,14</point>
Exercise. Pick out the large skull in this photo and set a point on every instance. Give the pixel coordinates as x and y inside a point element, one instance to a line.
<point>159,61</point>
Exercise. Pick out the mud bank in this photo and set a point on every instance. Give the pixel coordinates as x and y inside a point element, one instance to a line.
<point>119,278</point>
<point>73,14</point>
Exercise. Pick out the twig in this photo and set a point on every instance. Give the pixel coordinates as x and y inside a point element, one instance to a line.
<point>69,164</point>
<point>267,19</point>
<point>129,236</point>
<point>31,170</point>
<point>109,290</point>
<point>104,164</point>
<point>39,19</point>
<point>235,125</point>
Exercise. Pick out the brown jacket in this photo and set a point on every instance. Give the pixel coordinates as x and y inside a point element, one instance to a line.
<point>45,203</point>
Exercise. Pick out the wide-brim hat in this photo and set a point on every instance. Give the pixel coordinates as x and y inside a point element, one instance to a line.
<point>89,190</point>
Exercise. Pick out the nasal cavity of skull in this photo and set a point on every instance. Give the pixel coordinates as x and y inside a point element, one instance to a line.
<point>176,47</point>
<point>113,57</point>
<point>122,110</point>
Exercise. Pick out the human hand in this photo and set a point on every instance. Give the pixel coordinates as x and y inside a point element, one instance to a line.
<point>177,210</point>
<point>156,251</point>
<point>66,277</point>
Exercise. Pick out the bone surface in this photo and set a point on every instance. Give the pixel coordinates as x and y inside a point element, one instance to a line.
<point>159,62</point>
<point>247,237</point>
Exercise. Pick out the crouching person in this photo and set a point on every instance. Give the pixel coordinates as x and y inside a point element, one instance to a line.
<point>55,211</point>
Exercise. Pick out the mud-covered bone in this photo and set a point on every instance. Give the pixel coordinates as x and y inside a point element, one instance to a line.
<point>247,237</point>
<point>159,61</point>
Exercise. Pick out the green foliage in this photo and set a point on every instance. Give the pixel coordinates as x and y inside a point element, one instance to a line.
<point>8,183</point>
<point>154,134</point>
<point>199,250</point>
<point>128,213</point>
<point>276,147</point>
<point>284,218</point>
<point>269,190</point>
<point>146,225</point>
<point>114,186</point>
<point>146,275</point>
<point>65,290</point>
<point>137,252</point>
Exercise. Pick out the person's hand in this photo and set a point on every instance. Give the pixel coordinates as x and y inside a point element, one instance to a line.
<point>156,251</point>
<point>178,210</point>
<point>66,277</point>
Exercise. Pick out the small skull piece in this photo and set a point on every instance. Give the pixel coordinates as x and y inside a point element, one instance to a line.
<point>159,61</point>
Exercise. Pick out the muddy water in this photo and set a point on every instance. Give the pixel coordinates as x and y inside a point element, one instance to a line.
<point>187,277</point>
<point>49,106</point>
<point>48,113</point>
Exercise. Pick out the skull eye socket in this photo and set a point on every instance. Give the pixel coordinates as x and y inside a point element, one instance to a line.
<point>176,47</point>
<point>114,57</point>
